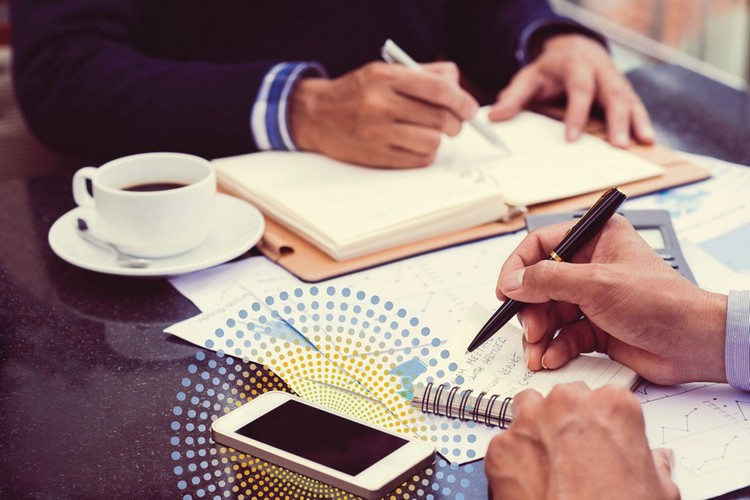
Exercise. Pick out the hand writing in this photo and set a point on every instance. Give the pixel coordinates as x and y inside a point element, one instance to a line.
<point>380,115</point>
<point>618,297</point>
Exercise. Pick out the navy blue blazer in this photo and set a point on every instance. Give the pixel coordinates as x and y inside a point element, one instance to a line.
<point>105,78</point>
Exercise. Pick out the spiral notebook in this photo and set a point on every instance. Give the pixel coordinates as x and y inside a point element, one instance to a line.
<point>480,386</point>
<point>463,404</point>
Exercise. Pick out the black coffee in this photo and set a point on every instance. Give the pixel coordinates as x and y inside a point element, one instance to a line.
<point>154,186</point>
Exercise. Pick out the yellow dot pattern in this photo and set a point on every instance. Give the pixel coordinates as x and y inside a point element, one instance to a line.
<point>341,350</point>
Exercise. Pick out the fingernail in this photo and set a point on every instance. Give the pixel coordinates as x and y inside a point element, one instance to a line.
<point>672,458</point>
<point>543,364</point>
<point>649,134</point>
<point>622,139</point>
<point>525,332</point>
<point>574,133</point>
<point>526,355</point>
<point>512,281</point>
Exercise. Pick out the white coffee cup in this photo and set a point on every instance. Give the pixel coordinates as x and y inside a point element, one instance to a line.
<point>166,221</point>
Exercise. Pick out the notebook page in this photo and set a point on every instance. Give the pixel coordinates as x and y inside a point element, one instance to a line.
<point>498,365</point>
<point>349,209</point>
<point>543,166</point>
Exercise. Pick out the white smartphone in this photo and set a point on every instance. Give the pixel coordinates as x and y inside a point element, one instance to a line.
<point>325,445</point>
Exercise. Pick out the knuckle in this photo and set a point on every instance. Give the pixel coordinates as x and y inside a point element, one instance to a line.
<point>432,141</point>
<point>567,392</point>
<point>377,70</point>
<point>545,269</point>
<point>619,401</point>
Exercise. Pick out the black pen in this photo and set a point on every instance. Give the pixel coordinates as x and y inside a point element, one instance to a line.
<point>587,226</point>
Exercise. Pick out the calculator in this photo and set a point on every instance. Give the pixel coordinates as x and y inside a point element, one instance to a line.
<point>654,226</point>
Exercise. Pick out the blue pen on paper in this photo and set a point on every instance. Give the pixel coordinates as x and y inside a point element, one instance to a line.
<point>394,54</point>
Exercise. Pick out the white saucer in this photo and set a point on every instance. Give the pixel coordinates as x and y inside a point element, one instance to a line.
<point>238,227</point>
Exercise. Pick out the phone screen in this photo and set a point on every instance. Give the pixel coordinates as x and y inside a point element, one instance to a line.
<point>322,437</point>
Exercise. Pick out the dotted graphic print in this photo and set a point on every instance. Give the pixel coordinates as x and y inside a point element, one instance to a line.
<point>350,352</point>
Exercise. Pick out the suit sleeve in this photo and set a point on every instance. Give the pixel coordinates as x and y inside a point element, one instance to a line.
<point>83,85</point>
<point>484,37</point>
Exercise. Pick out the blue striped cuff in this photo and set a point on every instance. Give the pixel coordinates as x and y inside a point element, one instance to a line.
<point>269,118</point>
<point>737,347</point>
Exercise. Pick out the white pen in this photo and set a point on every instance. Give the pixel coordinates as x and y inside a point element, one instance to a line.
<point>394,54</point>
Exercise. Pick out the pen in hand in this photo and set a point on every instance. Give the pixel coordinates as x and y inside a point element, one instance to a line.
<point>587,226</point>
<point>393,54</point>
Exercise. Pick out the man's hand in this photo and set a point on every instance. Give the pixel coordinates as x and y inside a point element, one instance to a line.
<point>577,443</point>
<point>580,68</point>
<point>619,298</point>
<point>380,115</point>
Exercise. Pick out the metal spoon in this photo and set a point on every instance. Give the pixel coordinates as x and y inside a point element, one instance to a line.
<point>122,259</point>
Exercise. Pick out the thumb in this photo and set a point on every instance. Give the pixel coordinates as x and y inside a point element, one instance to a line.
<point>664,461</point>
<point>547,280</point>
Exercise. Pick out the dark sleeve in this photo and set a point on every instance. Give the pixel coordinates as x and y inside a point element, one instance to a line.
<point>86,89</point>
<point>484,37</point>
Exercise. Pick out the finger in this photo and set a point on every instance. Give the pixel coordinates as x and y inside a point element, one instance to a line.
<point>408,110</point>
<point>523,405</point>
<point>551,280</point>
<point>536,246</point>
<point>616,98</point>
<point>445,69</point>
<point>523,88</point>
<point>580,87</point>
<point>532,353</point>
<point>397,158</point>
<point>438,91</point>
<point>664,460</point>
<point>543,320</point>
<point>419,140</point>
<point>574,339</point>
<point>642,127</point>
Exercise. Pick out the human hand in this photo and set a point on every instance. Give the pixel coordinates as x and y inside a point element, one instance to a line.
<point>380,114</point>
<point>577,443</point>
<point>580,68</point>
<point>618,297</point>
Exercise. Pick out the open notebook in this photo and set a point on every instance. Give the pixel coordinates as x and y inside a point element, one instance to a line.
<point>349,211</point>
<point>480,385</point>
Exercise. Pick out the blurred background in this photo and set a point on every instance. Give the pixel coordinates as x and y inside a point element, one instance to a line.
<point>708,36</point>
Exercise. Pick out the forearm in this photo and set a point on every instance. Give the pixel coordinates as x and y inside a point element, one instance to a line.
<point>85,87</point>
<point>485,37</point>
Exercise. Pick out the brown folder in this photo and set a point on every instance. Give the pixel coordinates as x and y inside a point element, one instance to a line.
<point>309,263</point>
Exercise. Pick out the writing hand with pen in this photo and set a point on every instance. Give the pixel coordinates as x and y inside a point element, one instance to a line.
<point>381,115</point>
<point>616,296</point>
<point>393,116</point>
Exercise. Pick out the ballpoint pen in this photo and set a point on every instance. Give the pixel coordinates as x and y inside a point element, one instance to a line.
<point>587,226</point>
<point>394,54</point>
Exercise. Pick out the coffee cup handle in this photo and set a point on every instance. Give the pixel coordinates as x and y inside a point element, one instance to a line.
<point>80,190</point>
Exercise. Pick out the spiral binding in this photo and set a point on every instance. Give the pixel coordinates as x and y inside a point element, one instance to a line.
<point>468,407</point>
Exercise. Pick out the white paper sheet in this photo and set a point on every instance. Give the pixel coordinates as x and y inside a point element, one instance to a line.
<point>439,288</point>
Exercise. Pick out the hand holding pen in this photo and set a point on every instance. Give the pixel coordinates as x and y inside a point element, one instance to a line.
<point>393,54</point>
<point>380,114</point>
<point>586,228</point>
<point>617,296</point>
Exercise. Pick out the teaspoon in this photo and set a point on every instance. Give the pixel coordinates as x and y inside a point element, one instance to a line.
<point>122,259</point>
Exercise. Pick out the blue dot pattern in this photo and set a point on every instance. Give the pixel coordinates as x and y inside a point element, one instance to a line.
<point>354,329</point>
